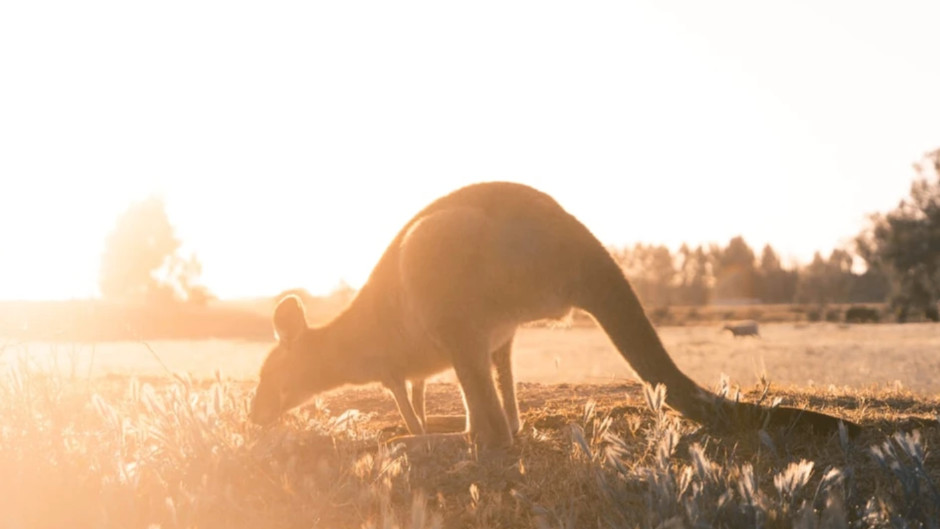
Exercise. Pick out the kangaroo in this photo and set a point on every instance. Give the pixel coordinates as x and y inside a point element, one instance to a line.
<point>451,290</point>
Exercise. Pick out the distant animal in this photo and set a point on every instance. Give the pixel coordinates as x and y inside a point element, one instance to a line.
<point>450,292</point>
<point>742,328</point>
<point>862,315</point>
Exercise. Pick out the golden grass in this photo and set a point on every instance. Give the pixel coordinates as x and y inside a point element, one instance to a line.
<point>170,452</point>
<point>82,450</point>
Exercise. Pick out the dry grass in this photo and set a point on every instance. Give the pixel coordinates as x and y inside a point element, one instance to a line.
<point>82,450</point>
<point>171,452</point>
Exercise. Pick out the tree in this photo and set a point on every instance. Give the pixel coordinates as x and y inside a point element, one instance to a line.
<point>905,242</point>
<point>826,281</point>
<point>871,286</point>
<point>774,283</point>
<point>651,271</point>
<point>735,273</point>
<point>661,274</point>
<point>811,287</point>
<point>694,276</point>
<point>840,276</point>
<point>141,260</point>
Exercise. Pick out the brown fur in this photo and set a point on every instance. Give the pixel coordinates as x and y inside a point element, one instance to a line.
<point>451,290</point>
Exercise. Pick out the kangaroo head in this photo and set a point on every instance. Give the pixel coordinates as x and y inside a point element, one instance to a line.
<point>287,376</point>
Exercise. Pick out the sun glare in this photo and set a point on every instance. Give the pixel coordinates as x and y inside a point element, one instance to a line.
<point>290,147</point>
<point>193,195</point>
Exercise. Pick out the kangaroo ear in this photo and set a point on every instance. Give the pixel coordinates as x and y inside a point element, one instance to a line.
<point>289,318</point>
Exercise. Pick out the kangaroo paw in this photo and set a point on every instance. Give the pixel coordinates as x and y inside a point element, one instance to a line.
<point>445,423</point>
<point>430,442</point>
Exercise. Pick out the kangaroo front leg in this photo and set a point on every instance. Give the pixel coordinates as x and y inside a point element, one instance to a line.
<point>434,423</point>
<point>407,411</point>
<point>417,400</point>
<point>502,361</point>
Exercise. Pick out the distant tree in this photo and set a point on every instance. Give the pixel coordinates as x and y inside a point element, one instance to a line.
<point>735,272</point>
<point>651,271</point>
<point>826,281</point>
<point>840,276</point>
<point>141,260</point>
<point>811,287</point>
<point>775,284</point>
<point>871,286</point>
<point>694,276</point>
<point>179,276</point>
<point>661,274</point>
<point>905,242</point>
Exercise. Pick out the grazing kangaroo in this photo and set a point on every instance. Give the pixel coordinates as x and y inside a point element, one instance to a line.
<point>451,290</point>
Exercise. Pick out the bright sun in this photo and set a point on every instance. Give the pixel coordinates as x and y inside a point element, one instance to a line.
<point>290,146</point>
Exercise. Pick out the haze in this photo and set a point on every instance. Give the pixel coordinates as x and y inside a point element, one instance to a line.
<point>291,141</point>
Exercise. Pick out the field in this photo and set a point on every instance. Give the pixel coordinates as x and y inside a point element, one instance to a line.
<point>798,354</point>
<point>141,434</point>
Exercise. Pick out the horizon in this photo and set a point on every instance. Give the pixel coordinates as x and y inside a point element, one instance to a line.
<point>290,145</point>
<point>342,284</point>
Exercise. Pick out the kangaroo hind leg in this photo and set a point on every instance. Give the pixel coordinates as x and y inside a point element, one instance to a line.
<point>487,422</point>
<point>502,362</point>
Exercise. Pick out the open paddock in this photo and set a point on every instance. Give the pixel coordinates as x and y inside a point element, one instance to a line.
<point>798,354</point>
<point>119,443</point>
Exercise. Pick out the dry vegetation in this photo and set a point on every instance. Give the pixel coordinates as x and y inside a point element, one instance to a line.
<point>79,451</point>
<point>799,354</point>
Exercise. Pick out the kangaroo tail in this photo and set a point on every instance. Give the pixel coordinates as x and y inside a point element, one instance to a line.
<point>608,297</point>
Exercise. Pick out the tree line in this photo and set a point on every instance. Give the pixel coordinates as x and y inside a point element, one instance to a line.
<point>734,274</point>
<point>899,253</point>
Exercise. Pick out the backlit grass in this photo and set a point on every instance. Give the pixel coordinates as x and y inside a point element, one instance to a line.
<point>173,452</point>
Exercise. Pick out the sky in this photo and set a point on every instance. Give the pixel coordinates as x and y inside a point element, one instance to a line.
<point>291,140</point>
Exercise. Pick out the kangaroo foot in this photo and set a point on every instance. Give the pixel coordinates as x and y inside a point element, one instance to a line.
<point>430,442</point>
<point>445,423</point>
